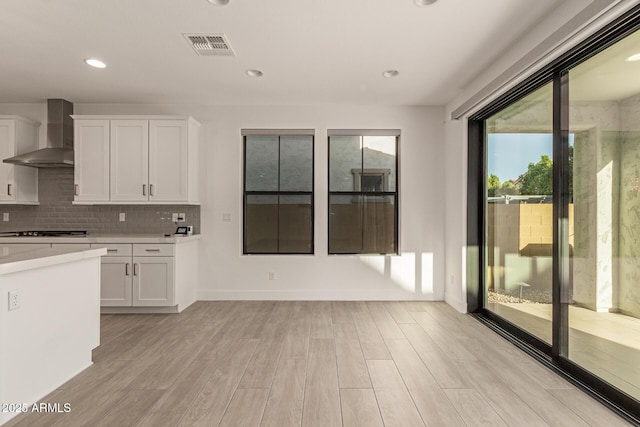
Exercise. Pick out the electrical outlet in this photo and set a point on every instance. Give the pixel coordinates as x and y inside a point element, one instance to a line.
<point>182,217</point>
<point>122,216</point>
<point>14,300</point>
<point>5,216</point>
<point>174,217</point>
<point>272,275</point>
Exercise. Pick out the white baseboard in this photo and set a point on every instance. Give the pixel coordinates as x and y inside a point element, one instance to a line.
<point>298,295</point>
<point>456,304</point>
<point>139,310</point>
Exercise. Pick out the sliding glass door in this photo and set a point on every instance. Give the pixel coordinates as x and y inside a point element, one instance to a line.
<point>559,212</point>
<point>604,115</point>
<point>519,213</point>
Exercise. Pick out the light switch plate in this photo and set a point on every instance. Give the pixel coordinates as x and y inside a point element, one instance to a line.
<point>5,216</point>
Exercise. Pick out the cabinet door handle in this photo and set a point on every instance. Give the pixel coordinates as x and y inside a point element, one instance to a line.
<point>152,250</point>
<point>9,189</point>
<point>126,269</point>
<point>135,269</point>
<point>151,189</point>
<point>144,189</point>
<point>75,189</point>
<point>112,250</point>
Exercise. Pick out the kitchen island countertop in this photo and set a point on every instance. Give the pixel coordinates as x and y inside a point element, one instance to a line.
<point>15,259</point>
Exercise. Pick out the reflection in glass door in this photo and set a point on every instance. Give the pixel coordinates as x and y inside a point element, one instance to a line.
<point>604,310</point>
<point>519,210</point>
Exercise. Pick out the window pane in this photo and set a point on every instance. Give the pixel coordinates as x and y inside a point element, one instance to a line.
<point>604,304</point>
<point>296,163</point>
<point>372,183</point>
<point>379,225</point>
<point>261,224</point>
<point>295,224</point>
<point>519,213</point>
<point>345,163</point>
<point>261,163</point>
<point>345,224</point>
<point>379,159</point>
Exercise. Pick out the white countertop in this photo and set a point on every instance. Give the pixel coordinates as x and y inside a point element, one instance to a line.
<point>103,238</point>
<point>15,259</point>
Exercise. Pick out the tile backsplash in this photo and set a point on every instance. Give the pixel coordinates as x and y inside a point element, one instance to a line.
<point>56,212</point>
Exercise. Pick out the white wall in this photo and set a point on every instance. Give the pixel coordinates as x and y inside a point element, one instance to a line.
<point>226,274</point>
<point>455,155</point>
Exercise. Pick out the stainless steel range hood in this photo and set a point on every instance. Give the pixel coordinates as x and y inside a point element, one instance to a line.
<point>59,151</point>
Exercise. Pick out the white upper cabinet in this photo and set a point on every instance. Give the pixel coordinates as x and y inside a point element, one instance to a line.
<point>129,160</point>
<point>168,160</point>
<point>91,160</point>
<point>147,159</point>
<point>18,184</point>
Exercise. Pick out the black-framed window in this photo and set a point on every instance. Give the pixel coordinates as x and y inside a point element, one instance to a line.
<point>363,191</point>
<point>278,192</point>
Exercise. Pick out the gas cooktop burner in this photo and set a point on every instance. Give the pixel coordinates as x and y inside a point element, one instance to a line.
<point>45,233</point>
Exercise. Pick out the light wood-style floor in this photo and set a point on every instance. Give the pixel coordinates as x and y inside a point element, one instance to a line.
<point>607,344</point>
<point>249,363</point>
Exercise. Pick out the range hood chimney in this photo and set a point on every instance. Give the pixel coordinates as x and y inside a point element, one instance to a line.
<point>59,151</point>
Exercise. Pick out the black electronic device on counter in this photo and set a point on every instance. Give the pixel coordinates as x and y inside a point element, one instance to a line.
<point>182,231</point>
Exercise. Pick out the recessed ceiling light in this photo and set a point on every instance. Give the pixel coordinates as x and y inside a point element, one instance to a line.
<point>254,73</point>
<point>390,73</point>
<point>95,63</point>
<point>423,3</point>
<point>219,2</point>
<point>632,58</point>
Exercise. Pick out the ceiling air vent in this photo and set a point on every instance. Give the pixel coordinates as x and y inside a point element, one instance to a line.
<point>210,44</point>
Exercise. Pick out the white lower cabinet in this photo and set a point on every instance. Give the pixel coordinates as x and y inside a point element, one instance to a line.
<point>138,277</point>
<point>116,282</point>
<point>153,281</point>
<point>132,280</point>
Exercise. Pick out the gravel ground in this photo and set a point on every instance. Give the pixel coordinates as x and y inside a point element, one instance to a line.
<point>529,296</point>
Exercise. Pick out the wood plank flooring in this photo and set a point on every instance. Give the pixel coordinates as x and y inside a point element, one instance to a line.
<point>607,344</point>
<point>293,363</point>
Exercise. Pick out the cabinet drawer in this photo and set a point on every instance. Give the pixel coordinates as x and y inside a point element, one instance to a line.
<point>12,248</point>
<point>160,249</point>
<point>114,249</point>
<point>71,245</point>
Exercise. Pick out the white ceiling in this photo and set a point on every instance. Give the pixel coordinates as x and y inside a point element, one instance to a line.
<point>311,52</point>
